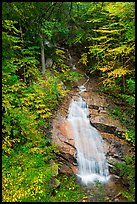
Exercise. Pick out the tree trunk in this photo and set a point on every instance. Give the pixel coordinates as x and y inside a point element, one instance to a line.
<point>43,57</point>
<point>124,83</point>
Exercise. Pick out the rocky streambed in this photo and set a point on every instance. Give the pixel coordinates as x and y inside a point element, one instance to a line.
<point>111,130</point>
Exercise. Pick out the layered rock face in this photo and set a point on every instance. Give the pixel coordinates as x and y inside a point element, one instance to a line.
<point>111,130</point>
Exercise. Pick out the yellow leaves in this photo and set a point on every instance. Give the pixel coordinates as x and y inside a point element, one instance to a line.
<point>29,103</point>
<point>117,8</point>
<point>25,109</point>
<point>130,49</point>
<point>61,61</point>
<point>7,143</point>
<point>15,193</point>
<point>6,103</point>
<point>63,70</point>
<point>118,50</point>
<point>118,72</point>
<point>37,150</point>
<point>108,82</point>
<point>40,111</point>
<point>64,92</point>
<point>60,53</point>
<point>100,38</point>
<point>103,69</point>
<point>9,24</point>
<point>123,50</point>
<point>95,49</point>
<point>38,100</point>
<point>38,105</point>
<point>47,115</point>
<point>26,176</point>
<point>44,112</point>
<point>85,199</point>
<point>84,59</point>
<point>107,31</point>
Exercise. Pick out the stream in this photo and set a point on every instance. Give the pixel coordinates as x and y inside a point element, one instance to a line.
<point>90,141</point>
<point>90,157</point>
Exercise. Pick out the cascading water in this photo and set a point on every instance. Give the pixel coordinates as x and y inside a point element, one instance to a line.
<point>90,157</point>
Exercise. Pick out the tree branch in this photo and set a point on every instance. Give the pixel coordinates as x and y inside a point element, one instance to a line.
<point>70,9</point>
<point>60,6</point>
<point>43,15</point>
<point>51,10</point>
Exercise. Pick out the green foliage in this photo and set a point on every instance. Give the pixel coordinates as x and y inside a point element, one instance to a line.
<point>29,176</point>
<point>130,136</point>
<point>111,50</point>
<point>111,44</point>
<point>69,76</point>
<point>25,105</point>
<point>63,70</point>
<point>10,40</point>
<point>129,99</point>
<point>27,68</point>
<point>83,59</point>
<point>68,191</point>
<point>131,85</point>
<point>128,120</point>
<point>23,62</point>
<point>106,39</point>
<point>127,173</point>
<point>54,29</point>
<point>60,61</point>
<point>26,175</point>
<point>28,103</point>
<point>24,147</point>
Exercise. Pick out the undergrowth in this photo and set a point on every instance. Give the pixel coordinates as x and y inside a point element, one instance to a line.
<point>27,151</point>
<point>126,171</point>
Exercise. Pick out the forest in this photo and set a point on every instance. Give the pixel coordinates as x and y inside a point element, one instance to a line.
<point>36,78</point>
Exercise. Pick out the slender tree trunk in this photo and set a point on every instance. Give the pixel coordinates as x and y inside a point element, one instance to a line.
<point>24,75</point>
<point>124,83</point>
<point>21,33</point>
<point>42,56</point>
<point>123,77</point>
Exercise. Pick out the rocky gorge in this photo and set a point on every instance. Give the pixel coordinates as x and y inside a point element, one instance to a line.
<point>111,130</point>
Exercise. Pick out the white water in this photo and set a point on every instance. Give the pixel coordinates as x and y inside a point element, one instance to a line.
<point>82,88</point>
<point>72,62</point>
<point>91,159</point>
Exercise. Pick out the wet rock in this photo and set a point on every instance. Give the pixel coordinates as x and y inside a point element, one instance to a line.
<point>49,62</point>
<point>68,157</point>
<point>117,177</point>
<point>105,124</point>
<point>104,127</point>
<point>65,169</point>
<point>116,155</point>
<point>115,148</point>
<point>72,145</point>
<point>118,132</point>
<point>116,200</point>
<point>93,106</point>
<point>75,87</point>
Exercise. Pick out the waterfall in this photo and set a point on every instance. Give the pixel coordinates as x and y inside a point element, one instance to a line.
<point>72,62</point>
<point>92,163</point>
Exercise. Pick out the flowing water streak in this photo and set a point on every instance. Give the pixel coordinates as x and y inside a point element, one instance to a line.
<point>90,157</point>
